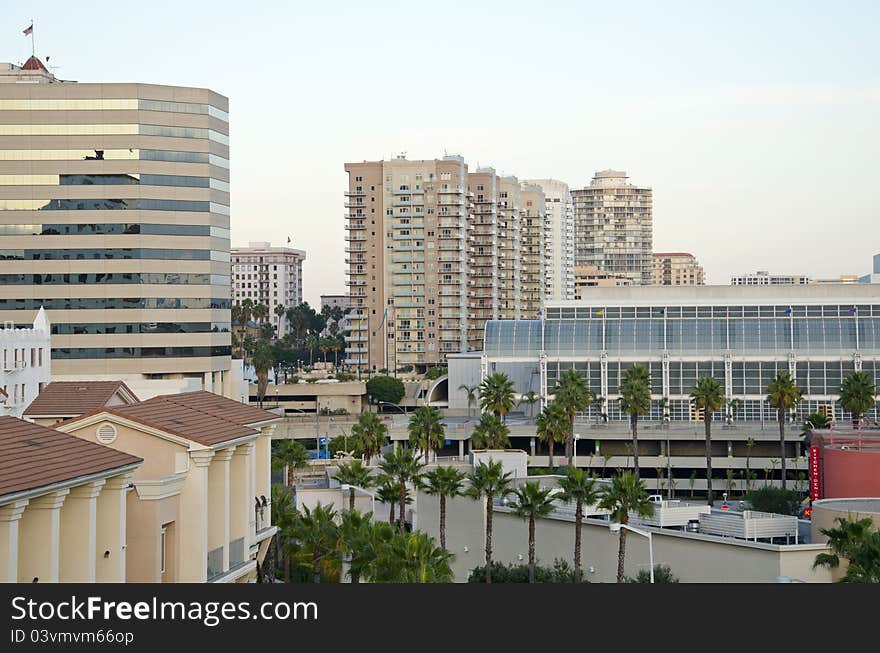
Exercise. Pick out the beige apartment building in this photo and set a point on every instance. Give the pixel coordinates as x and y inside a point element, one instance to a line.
<point>614,227</point>
<point>200,506</point>
<point>271,276</point>
<point>433,252</point>
<point>677,269</point>
<point>589,276</point>
<point>63,512</point>
<point>114,217</point>
<point>557,239</point>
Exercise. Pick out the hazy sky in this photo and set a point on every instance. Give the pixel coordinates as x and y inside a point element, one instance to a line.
<point>756,123</point>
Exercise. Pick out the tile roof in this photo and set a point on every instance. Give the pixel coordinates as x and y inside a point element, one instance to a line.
<point>33,456</point>
<point>219,406</point>
<point>69,398</point>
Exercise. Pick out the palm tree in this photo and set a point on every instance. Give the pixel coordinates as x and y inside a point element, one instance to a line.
<point>708,396</point>
<point>316,531</point>
<point>325,345</point>
<point>289,454</point>
<point>625,494</point>
<point>490,433</point>
<point>312,343</point>
<point>425,430</point>
<point>403,466</point>
<point>574,396</point>
<point>489,481</point>
<point>443,482</point>
<point>496,394</point>
<point>336,345</point>
<point>280,311</point>
<point>411,558</point>
<point>578,486</point>
<point>283,516</point>
<point>552,426</point>
<point>750,444</point>
<point>473,393</point>
<point>858,394</point>
<point>635,400</point>
<point>857,542</point>
<point>783,394</point>
<point>355,538</point>
<point>532,501</point>
<point>370,434</point>
<point>530,398</point>
<point>260,312</point>
<point>263,360</point>
<point>353,474</point>
<point>247,311</point>
<point>388,492</point>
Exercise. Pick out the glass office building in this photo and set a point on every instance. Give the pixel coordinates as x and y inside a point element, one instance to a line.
<point>741,336</point>
<point>114,216</point>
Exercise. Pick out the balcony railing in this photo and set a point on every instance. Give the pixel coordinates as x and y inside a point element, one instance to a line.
<point>215,562</point>
<point>236,552</point>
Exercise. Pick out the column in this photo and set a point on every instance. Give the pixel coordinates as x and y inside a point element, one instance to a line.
<point>542,375</point>
<point>728,376</point>
<point>218,503</point>
<point>79,534</point>
<point>461,448</point>
<point>40,534</point>
<point>241,498</point>
<point>207,380</point>
<point>10,517</point>
<point>193,519</point>
<point>218,382</point>
<point>111,524</point>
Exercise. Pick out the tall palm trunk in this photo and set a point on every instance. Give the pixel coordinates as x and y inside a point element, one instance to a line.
<point>551,452</point>
<point>489,539</point>
<point>350,497</point>
<point>531,548</point>
<point>578,520</point>
<point>391,513</point>
<point>443,521</point>
<point>569,438</point>
<point>781,416</point>
<point>707,420</point>
<point>634,420</point>
<point>402,514</point>
<point>621,554</point>
<point>316,565</point>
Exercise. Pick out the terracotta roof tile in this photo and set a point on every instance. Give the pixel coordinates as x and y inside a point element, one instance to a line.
<point>34,64</point>
<point>70,398</point>
<point>33,456</point>
<point>219,406</point>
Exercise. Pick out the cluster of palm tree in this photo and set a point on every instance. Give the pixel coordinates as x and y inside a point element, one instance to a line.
<point>531,501</point>
<point>320,540</point>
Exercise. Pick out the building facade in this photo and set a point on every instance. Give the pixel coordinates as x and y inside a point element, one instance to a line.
<point>558,240</point>
<point>614,227</point>
<point>677,269</point>
<point>333,301</point>
<point>271,276</point>
<point>435,251</point>
<point>764,278</point>
<point>112,195</point>
<point>589,276</point>
<point>27,363</point>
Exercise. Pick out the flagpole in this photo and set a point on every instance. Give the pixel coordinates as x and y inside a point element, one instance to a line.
<point>33,43</point>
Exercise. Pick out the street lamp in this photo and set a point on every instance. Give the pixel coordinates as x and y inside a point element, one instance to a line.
<point>615,527</point>
<point>577,436</point>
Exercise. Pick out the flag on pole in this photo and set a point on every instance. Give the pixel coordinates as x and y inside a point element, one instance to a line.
<point>27,31</point>
<point>600,312</point>
<point>288,240</point>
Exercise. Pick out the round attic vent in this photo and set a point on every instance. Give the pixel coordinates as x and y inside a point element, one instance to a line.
<point>106,433</point>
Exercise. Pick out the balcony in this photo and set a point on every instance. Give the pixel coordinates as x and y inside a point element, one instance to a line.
<point>355,237</point>
<point>355,205</point>
<point>215,562</point>
<point>355,193</point>
<point>455,190</point>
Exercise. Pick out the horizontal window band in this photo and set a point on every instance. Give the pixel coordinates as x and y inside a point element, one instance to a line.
<point>81,303</point>
<point>115,328</point>
<point>115,278</point>
<point>112,104</point>
<point>113,254</point>
<point>134,179</point>
<point>112,204</point>
<point>111,228</point>
<point>67,353</point>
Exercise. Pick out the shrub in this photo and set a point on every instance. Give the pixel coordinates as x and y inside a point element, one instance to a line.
<point>662,574</point>
<point>435,372</point>
<point>385,388</point>
<point>311,380</point>
<point>345,376</point>
<point>560,572</point>
<point>775,499</point>
<point>406,368</point>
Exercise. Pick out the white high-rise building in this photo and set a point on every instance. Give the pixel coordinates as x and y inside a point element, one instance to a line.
<point>764,278</point>
<point>27,364</point>
<point>558,238</point>
<point>268,275</point>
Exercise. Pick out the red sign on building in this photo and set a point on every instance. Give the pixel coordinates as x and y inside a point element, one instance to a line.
<point>815,474</point>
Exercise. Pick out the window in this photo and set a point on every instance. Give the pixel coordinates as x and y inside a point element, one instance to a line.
<point>162,550</point>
